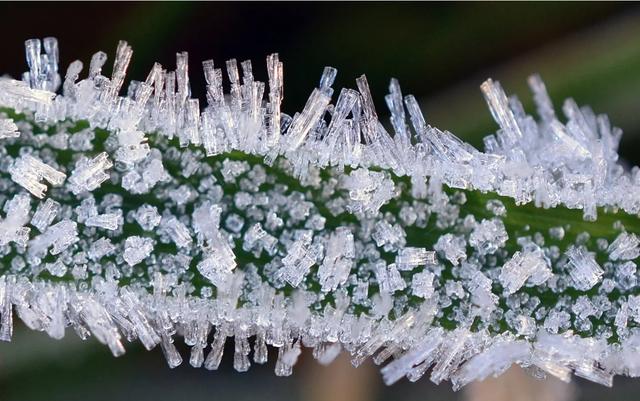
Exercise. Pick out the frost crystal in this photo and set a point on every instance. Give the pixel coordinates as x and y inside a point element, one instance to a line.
<point>45,213</point>
<point>89,173</point>
<point>101,247</point>
<point>258,239</point>
<point>422,284</point>
<point>216,270</point>
<point>388,277</point>
<point>137,249</point>
<point>493,360</point>
<point>147,217</point>
<point>523,266</point>
<point>8,129</point>
<point>58,236</point>
<point>29,173</point>
<point>12,227</point>
<point>368,190</point>
<point>452,247</point>
<point>297,263</point>
<point>625,247</point>
<point>338,260</point>
<point>408,258</point>
<point>583,268</point>
<point>108,221</point>
<point>177,231</point>
<point>388,236</point>
<point>488,236</point>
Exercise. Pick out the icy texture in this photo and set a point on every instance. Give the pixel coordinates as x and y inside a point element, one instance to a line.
<point>317,229</point>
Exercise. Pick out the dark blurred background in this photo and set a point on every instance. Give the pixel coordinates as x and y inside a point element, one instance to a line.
<point>439,52</point>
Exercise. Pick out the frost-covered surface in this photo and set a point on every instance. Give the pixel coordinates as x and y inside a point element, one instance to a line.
<point>150,217</point>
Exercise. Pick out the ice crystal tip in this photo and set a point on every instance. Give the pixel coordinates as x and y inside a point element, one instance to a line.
<point>329,231</point>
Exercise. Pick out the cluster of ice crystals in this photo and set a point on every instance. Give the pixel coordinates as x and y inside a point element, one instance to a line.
<point>504,351</point>
<point>45,213</point>
<point>137,249</point>
<point>58,236</point>
<point>410,257</point>
<point>320,229</point>
<point>13,225</point>
<point>388,277</point>
<point>297,262</point>
<point>338,259</point>
<point>488,236</point>
<point>218,268</point>
<point>422,284</point>
<point>29,172</point>
<point>108,221</point>
<point>625,247</point>
<point>583,268</point>
<point>523,266</point>
<point>147,217</point>
<point>388,236</point>
<point>89,173</point>
<point>100,248</point>
<point>368,190</point>
<point>257,239</point>
<point>8,129</point>
<point>454,248</point>
<point>176,230</point>
<point>43,68</point>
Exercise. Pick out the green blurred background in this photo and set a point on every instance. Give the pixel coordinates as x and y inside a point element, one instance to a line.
<point>439,52</point>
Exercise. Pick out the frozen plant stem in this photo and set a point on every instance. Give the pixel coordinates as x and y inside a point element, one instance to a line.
<point>149,217</point>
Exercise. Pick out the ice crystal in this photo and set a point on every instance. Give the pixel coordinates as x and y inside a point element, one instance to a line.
<point>8,129</point>
<point>583,268</point>
<point>625,247</point>
<point>522,267</point>
<point>149,217</point>
<point>29,173</point>
<point>136,249</point>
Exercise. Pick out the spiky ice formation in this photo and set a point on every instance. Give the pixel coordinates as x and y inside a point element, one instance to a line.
<point>146,217</point>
